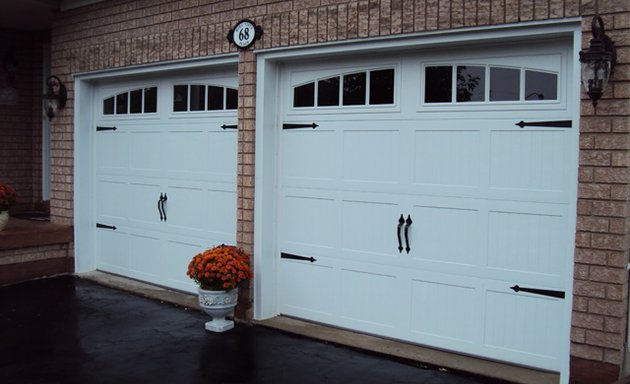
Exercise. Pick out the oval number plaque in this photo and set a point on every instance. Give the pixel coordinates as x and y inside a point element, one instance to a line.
<point>244,34</point>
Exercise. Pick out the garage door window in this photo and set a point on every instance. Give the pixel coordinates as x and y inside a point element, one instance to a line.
<point>201,97</point>
<point>374,87</point>
<point>474,83</point>
<point>136,101</point>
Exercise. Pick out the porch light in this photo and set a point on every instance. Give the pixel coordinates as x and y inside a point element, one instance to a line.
<point>55,97</point>
<point>597,61</point>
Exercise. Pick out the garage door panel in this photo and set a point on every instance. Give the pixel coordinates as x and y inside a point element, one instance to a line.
<point>222,148</point>
<point>146,153</point>
<point>371,156</point>
<point>183,215</point>
<point>446,234</point>
<point>201,155</point>
<point>145,255</point>
<point>112,198</point>
<point>112,152</point>
<point>220,214</point>
<point>528,160</point>
<point>527,242</point>
<point>369,297</point>
<point>112,250</point>
<point>369,230</point>
<point>521,325</point>
<point>313,289</point>
<point>310,221</point>
<point>445,308</point>
<point>177,256</point>
<point>311,156</point>
<point>143,204</point>
<point>447,157</point>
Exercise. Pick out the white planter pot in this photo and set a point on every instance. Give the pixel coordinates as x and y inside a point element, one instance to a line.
<point>218,304</point>
<point>4,219</point>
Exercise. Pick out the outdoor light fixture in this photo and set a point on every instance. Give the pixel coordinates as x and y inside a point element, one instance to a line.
<point>597,61</point>
<point>55,97</point>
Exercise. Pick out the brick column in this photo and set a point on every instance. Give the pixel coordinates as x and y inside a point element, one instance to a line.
<point>600,306</point>
<point>245,166</point>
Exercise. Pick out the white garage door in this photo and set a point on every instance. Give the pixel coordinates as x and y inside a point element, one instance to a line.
<point>417,209</point>
<point>165,174</point>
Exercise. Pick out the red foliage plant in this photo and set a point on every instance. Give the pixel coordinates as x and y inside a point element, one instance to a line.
<point>8,197</point>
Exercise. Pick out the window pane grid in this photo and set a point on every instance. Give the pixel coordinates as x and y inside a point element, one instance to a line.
<point>487,84</point>
<point>371,87</point>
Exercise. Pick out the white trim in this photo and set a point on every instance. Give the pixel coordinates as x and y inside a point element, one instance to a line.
<point>509,32</point>
<point>45,129</point>
<point>71,4</point>
<point>269,65</point>
<point>85,86</point>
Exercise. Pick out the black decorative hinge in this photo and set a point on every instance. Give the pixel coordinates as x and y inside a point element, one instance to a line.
<point>229,126</point>
<point>536,291</point>
<point>112,227</point>
<point>296,257</point>
<point>105,129</point>
<point>296,126</point>
<point>552,124</point>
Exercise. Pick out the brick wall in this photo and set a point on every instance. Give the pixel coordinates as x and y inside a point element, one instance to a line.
<point>21,122</point>
<point>602,241</point>
<point>121,33</point>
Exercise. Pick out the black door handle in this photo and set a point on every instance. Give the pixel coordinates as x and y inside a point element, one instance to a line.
<point>401,221</point>
<point>159,206</point>
<point>407,225</point>
<point>163,206</point>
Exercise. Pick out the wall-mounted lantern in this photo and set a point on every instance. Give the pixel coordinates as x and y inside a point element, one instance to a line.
<point>597,61</point>
<point>55,97</point>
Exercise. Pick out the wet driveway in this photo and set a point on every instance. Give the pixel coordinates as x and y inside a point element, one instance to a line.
<point>68,330</point>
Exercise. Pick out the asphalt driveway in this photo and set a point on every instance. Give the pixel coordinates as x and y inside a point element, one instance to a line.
<point>68,330</point>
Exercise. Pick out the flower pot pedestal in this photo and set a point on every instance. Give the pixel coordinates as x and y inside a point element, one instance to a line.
<point>4,219</point>
<point>218,304</point>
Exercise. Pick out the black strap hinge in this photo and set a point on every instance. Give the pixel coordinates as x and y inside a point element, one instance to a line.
<point>296,126</point>
<point>229,126</point>
<point>112,227</point>
<point>552,124</point>
<point>296,257</point>
<point>105,129</point>
<point>536,291</point>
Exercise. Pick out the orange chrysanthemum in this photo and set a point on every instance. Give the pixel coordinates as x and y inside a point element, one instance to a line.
<point>220,268</point>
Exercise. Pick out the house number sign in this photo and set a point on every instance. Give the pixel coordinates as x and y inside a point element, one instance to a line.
<point>244,34</point>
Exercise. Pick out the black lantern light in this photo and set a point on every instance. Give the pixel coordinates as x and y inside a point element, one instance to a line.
<point>55,97</point>
<point>597,61</point>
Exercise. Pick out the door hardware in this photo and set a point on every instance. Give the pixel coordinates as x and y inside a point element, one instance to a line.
<point>105,129</point>
<point>536,291</point>
<point>164,206</point>
<point>112,227</point>
<point>229,126</point>
<point>552,124</point>
<point>407,225</point>
<point>291,256</point>
<point>296,126</point>
<point>159,206</point>
<point>401,221</point>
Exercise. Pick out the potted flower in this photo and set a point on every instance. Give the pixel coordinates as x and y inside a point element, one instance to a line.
<point>8,198</point>
<point>218,272</point>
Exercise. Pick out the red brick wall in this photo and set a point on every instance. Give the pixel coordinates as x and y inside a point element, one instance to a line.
<point>118,33</point>
<point>21,123</point>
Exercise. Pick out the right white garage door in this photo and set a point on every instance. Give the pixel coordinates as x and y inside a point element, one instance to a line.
<point>418,209</point>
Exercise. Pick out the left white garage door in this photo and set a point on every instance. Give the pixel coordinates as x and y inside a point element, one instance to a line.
<point>165,174</point>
